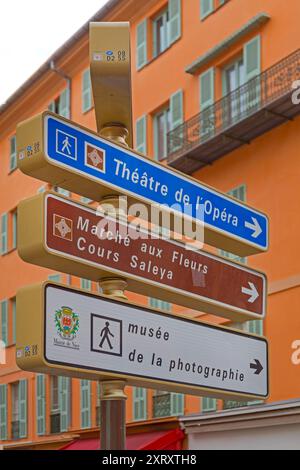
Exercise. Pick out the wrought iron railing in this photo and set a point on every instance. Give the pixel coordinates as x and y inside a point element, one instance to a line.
<point>256,94</point>
<point>162,405</point>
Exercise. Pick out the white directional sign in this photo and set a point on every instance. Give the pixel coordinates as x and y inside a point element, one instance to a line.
<point>91,334</point>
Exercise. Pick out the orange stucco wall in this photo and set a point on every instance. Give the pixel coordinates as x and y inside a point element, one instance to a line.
<point>269,167</point>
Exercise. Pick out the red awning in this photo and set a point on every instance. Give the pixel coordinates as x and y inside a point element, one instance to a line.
<point>160,440</point>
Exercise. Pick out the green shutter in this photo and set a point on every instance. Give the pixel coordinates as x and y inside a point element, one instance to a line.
<point>252,58</point>
<point>206,8</point>
<point>52,107</point>
<point>155,303</point>
<point>86,91</point>
<point>240,194</point>
<point>23,408</point>
<point>4,225</point>
<point>139,403</point>
<point>14,229</point>
<point>255,327</point>
<point>40,405</point>
<point>174,20</point>
<point>64,385</point>
<point>207,89</point>
<point>3,412</point>
<point>13,154</point>
<point>177,404</point>
<point>141,47</point>
<point>14,319</point>
<point>54,277</point>
<point>4,321</point>
<point>176,109</point>
<point>85,403</point>
<point>86,284</point>
<point>141,135</point>
<point>209,404</point>
<point>64,104</point>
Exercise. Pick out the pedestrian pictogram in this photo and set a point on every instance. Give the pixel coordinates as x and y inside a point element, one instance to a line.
<point>66,145</point>
<point>106,334</point>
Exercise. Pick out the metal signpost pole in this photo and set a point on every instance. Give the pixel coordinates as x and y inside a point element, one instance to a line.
<point>111,83</point>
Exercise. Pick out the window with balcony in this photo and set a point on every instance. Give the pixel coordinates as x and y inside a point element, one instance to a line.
<point>167,404</point>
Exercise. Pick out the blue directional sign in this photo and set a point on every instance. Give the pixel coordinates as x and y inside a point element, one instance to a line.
<point>85,153</point>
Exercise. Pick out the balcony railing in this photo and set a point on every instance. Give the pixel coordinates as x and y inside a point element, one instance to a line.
<point>252,109</point>
<point>162,405</point>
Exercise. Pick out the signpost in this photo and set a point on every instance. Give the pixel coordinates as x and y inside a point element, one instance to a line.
<point>85,335</point>
<point>54,149</point>
<point>71,237</point>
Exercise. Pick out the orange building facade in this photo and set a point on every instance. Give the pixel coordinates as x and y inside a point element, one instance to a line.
<point>212,96</point>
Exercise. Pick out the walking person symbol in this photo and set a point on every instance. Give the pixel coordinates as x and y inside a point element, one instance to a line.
<point>105,333</point>
<point>66,146</point>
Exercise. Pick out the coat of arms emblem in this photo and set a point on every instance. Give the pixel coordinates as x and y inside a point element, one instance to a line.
<point>67,323</point>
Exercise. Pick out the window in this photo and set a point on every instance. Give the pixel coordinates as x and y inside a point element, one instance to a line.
<point>55,410</point>
<point>63,192</point>
<point>4,321</point>
<point>208,404</point>
<point>155,303</point>
<point>139,403</point>
<point>13,154</point>
<point>240,194</point>
<point>86,284</point>
<point>41,404</point>
<point>161,33</point>
<point>98,405</point>
<point>85,403</point>
<point>167,404</point>
<point>207,7</point>
<point>162,125</point>
<point>4,232</point>
<point>54,277</point>
<point>15,410</point>
<point>3,412</point>
<point>62,104</point>
<point>19,409</point>
<point>86,200</point>
<point>14,229</point>
<point>86,91</point>
<point>167,27</point>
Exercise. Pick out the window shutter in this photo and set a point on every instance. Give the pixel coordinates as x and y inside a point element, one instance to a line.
<point>86,284</point>
<point>240,194</point>
<point>255,327</point>
<point>14,319</point>
<point>51,107</point>
<point>155,303</point>
<point>177,404</point>
<point>141,135</point>
<point>4,321</point>
<point>141,48</point>
<point>209,404</point>
<point>3,412</point>
<point>86,91</point>
<point>206,8</point>
<point>4,223</point>
<point>64,405</point>
<point>14,228</point>
<point>176,109</point>
<point>54,277</point>
<point>23,408</point>
<point>13,154</point>
<point>207,89</point>
<point>64,104</point>
<point>139,403</point>
<point>174,20</point>
<point>40,405</point>
<point>85,402</point>
<point>252,58</point>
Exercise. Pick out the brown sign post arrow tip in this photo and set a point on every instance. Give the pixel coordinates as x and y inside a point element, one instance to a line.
<point>75,239</point>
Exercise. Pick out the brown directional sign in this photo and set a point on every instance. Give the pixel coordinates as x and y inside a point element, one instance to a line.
<point>71,237</point>
<point>85,335</point>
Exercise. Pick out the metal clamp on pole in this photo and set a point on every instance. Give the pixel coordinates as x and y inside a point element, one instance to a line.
<point>111,82</point>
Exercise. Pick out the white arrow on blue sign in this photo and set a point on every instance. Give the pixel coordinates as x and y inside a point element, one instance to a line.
<point>228,223</point>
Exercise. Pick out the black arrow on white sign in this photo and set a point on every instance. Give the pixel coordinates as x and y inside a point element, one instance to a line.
<point>257,367</point>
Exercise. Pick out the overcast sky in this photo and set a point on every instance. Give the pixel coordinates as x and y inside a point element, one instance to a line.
<point>31,30</point>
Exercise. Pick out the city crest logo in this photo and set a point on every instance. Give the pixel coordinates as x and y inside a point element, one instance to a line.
<point>95,157</point>
<point>67,323</point>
